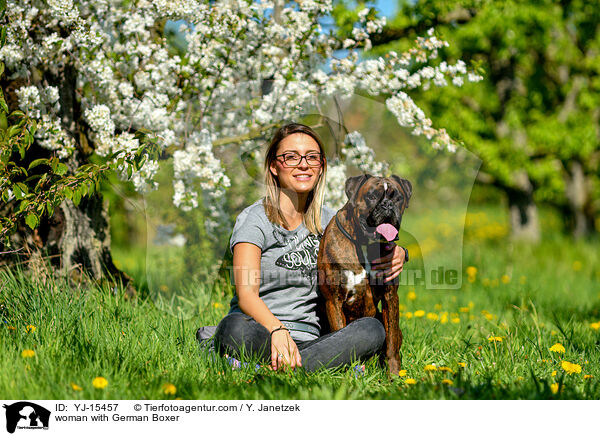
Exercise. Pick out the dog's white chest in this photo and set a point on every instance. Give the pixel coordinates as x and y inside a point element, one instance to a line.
<point>352,280</point>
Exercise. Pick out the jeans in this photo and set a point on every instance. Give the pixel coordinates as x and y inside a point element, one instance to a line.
<point>360,339</point>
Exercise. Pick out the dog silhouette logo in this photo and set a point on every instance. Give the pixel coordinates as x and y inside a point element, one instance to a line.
<point>26,415</point>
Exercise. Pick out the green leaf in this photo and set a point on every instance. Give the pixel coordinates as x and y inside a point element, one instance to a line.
<point>23,187</point>
<point>13,130</point>
<point>68,193</point>
<point>50,208</point>
<point>3,31</point>
<point>37,162</point>
<point>17,191</point>
<point>3,105</point>
<point>32,220</point>
<point>61,169</point>
<point>2,8</point>
<point>76,197</point>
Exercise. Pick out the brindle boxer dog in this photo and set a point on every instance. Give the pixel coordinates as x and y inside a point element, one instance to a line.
<point>363,230</point>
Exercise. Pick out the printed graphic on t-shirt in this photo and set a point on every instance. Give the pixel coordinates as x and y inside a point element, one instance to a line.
<point>303,258</point>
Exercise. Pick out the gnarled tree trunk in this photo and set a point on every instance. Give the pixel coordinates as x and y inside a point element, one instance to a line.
<point>76,239</point>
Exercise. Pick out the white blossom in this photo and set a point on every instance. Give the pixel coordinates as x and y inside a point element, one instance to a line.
<point>127,78</point>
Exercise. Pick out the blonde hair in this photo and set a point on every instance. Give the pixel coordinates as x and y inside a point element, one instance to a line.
<point>314,202</point>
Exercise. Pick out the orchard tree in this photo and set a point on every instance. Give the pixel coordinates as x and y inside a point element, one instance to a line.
<point>107,92</point>
<point>534,121</point>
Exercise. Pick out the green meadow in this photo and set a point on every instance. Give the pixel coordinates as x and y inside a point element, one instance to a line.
<point>494,338</point>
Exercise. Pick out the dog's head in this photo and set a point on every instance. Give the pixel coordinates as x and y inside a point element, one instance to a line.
<point>376,205</point>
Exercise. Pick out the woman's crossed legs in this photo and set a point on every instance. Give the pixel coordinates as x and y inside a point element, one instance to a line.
<point>360,339</point>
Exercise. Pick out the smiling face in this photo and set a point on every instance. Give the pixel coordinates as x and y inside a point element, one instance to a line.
<point>302,178</point>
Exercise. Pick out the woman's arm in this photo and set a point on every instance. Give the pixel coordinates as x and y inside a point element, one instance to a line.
<point>392,264</point>
<point>246,274</point>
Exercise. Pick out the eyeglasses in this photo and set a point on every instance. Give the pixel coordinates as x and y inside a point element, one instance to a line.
<point>293,159</point>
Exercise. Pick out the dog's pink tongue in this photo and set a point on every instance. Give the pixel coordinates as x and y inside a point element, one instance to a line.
<point>388,231</point>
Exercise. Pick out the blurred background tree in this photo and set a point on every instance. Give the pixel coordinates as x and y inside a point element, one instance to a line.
<point>534,119</point>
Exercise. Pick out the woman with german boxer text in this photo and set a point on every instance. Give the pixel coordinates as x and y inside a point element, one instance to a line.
<point>275,243</point>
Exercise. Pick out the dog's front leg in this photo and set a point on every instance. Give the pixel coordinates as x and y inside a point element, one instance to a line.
<point>393,335</point>
<point>335,314</point>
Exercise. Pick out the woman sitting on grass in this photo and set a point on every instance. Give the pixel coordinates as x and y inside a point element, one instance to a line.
<point>275,243</point>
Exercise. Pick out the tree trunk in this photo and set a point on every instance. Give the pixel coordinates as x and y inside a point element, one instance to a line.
<point>581,223</point>
<point>75,243</point>
<point>76,239</point>
<point>524,220</point>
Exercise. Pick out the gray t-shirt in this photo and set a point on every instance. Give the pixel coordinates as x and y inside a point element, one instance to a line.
<point>288,268</point>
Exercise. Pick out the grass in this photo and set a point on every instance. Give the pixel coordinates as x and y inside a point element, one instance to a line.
<point>489,340</point>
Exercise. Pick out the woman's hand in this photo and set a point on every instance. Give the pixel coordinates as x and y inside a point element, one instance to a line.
<point>284,352</point>
<point>391,264</point>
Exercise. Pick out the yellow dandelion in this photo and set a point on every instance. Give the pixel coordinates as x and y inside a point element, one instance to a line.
<point>411,295</point>
<point>489,316</point>
<point>76,387</point>
<point>433,316</point>
<point>169,389</point>
<point>419,313</point>
<point>408,315</point>
<point>554,373</point>
<point>217,305</point>
<point>462,364</point>
<point>30,328</point>
<point>577,265</point>
<point>587,376</point>
<point>463,309</point>
<point>471,271</point>
<point>446,369</point>
<point>430,368</point>
<point>27,353</point>
<point>570,368</point>
<point>554,388</point>
<point>410,381</point>
<point>99,382</point>
<point>438,306</point>
<point>444,318</point>
<point>10,327</point>
<point>402,373</point>
<point>557,348</point>
<point>595,325</point>
<point>505,279</point>
<point>495,339</point>
<point>164,288</point>
<point>447,382</point>
<point>455,320</point>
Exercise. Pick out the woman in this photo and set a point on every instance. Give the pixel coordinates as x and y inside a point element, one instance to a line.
<point>275,243</point>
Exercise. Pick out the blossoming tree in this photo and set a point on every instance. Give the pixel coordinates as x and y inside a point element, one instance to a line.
<point>104,91</point>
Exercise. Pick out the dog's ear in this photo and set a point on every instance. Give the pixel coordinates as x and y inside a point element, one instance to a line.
<point>353,184</point>
<point>406,187</point>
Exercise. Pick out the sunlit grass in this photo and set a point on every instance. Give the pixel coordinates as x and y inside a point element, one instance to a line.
<point>525,324</point>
